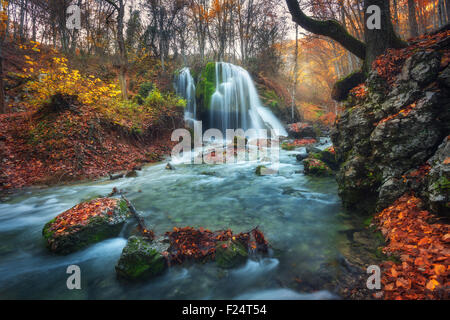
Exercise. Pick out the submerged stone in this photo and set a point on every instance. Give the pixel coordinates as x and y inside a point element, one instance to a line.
<point>131,174</point>
<point>142,258</point>
<point>169,166</point>
<point>263,170</point>
<point>301,156</point>
<point>86,223</point>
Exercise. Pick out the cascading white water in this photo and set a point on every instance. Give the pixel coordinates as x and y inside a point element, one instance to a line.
<point>185,87</point>
<point>236,104</point>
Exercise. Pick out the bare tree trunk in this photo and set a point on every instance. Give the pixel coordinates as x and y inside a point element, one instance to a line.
<point>377,41</point>
<point>441,13</point>
<point>413,28</point>
<point>22,18</point>
<point>3,33</point>
<point>120,9</point>
<point>396,26</point>
<point>122,50</point>
<point>294,85</point>
<point>447,8</point>
<point>2,90</point>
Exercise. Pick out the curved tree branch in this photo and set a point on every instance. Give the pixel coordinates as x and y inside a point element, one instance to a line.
<point>115,6</point>
<point>328,28</point>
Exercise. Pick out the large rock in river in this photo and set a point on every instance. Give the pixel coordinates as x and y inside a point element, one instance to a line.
<point>316,167</point>
<point>142,258</point>
<point>230,254</point>
<point>301,130</point>
<point>328,156</point>
<point>86,223</point>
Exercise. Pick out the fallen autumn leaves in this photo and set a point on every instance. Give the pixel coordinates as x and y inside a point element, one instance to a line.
<point>69,147</point>
<point>423,248</point>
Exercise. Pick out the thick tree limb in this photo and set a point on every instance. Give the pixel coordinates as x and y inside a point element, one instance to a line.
<point>328,28</point>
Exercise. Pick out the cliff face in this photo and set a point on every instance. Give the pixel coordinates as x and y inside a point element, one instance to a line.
<point>393,136</point>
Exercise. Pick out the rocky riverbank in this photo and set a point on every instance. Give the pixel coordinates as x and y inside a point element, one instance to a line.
<point>392,146</point>
<point>392,137</point>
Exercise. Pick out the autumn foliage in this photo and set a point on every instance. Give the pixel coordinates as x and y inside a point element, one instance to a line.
<point>200,244</point>
<point>68,125</point>
<point>301,142</point>
<point>389,65</point>
<point>359,91</point>
<point>67,147</point>
<point>81,214</point>
<point>421,243</point>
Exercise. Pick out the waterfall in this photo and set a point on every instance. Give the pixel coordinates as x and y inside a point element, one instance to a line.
<point>185,87</point>
<point>236,104</point>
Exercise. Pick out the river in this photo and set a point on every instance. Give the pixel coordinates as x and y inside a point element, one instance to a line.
<point>301,217</point>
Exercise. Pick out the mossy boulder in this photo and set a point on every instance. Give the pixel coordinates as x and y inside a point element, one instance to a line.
<point>328,156</point>
<point>301,156</point>
<point>131,174</point>
<point>206,87</point>
<point>86,223</point>
<point>342,87</point>
<point>230,254</point>
<point>312,149</point>
<point>259,169</point>
<point>301,130</point>
<point>287,146</point>
<point>142,258</point>
<point>316,167</point>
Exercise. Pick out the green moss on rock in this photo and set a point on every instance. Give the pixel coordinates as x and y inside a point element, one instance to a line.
<point>95,229</point>
<point>316,167</point>
<point>287,146</point>
<point>328,157</point>
<point>141,259</point>
<point>230,254</point>
<point>46,232</point>
<point>443,184</point>
<point>206,86</point>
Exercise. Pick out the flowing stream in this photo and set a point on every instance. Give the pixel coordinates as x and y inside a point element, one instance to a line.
<point>301,217</point>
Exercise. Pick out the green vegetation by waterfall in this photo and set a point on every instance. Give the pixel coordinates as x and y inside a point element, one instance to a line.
<point>206,86</point>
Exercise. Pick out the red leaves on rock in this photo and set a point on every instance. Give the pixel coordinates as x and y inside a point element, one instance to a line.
<point>301,142</point>
<point>188,243</point>
<point>297,127</point>
<point>423,248</point>
<point>420,172</point>
<point>331,150</point>
<point>390,64</point>
<point>81,213</point>
<point>404,112</point>
<point>359,91</point>
<point>200,244</point>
